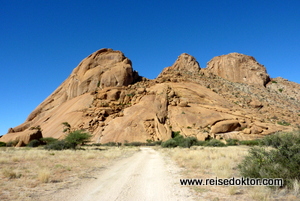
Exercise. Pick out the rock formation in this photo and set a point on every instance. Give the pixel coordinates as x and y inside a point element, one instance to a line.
<point>231,98</point>
<point>237,67</point>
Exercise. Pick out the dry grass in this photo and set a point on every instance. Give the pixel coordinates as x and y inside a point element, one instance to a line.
<point>221,162</point>
<point>29,172</point>
<point>44,175</point>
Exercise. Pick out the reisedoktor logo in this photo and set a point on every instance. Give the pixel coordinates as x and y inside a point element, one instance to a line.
<point>233,182</point>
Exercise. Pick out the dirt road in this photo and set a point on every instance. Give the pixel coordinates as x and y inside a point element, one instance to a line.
<point>146,175</point>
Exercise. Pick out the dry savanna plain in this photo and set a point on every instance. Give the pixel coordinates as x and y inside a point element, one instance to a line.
<point>38,174</point>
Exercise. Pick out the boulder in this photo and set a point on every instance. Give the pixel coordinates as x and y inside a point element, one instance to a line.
<point>183,104</point>
<point>225,126</point>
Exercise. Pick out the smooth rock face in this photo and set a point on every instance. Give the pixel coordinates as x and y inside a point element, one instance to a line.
<point>241,68</point>
<point>104,96</point>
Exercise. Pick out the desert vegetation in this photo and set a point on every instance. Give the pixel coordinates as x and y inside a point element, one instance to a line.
<point>27,173</point>
<point>275,156</point>
<point>32,171</point>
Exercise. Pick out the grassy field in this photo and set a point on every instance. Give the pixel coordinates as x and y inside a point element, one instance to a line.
<point>26,173</point>
<point>221,162</point>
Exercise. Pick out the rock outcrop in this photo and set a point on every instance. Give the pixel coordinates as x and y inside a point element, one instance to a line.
<point>241,68</point>
<point>185,64</point>
<point>102,69</point>
<point>106,97</point>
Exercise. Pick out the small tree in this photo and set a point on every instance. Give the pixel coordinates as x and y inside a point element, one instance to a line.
<point>67,127</point>
<point>78,137</point>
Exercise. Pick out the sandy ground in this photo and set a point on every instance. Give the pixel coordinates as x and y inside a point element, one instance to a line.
<point>146,175</point>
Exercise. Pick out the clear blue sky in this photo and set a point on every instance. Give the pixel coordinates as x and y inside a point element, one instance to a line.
<point>43,40</point>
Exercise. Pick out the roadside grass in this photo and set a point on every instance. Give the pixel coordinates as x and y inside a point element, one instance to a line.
<point>222,162</point>
<point>27,173</point>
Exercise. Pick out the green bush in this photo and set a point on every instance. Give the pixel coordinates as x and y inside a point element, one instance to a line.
<point>169,143</point>
<point>232,142</point>
<point>34,143</point>
<point>12,143</point>
<point>2,144</point>
<point>281,139</point>
<point>58,145</point>
<point>283,161</point>
<point>157,142</point>
<point>96,144</point>
<point>175,134</point>
<point>48,140</point>
<point>181,141</point>
<point>135,144</point>
<point>215,143</point>
<point>202,143</point>
<point>110,144</point>
<point>188,142</point>
<point>150,144</point>
<point>78,137</point>
<point>250,142</point>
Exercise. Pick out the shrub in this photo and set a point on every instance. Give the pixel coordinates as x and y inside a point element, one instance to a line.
<point>175,134</point>
<point>96,144</point>
<point>78,137</point>
<point>201,143</point>
<point>215,143</point>
<point>150,144</point>
<point>58,145</point>
<point>48,140</point>
<point>282,161</point>
<point>33,143</point>
<point>169,143</point>
<point>110,144</point>
<point>154,143</point>
<point>2,144</point>
<point>250,142</point>
<point>10,174</point>
<point>179,139</point>
<point>44,175</point>
<point>136,144</point>
<point>12,143</point>
<point>281,139</point>
<point>188,142</point>
<point>232,142</point>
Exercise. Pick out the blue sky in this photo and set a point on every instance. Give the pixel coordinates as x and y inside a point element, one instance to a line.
<point>43,40</point>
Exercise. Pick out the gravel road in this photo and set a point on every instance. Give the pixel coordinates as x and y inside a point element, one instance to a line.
<point>147,175</point>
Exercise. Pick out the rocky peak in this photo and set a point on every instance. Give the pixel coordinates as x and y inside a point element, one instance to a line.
<point>185,63</point>
<point>104,96</point>
<point>241,68</point>
<point>103,68</point>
